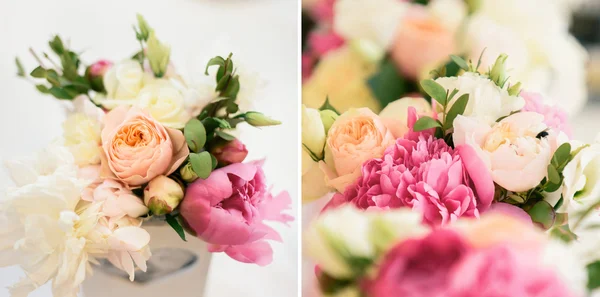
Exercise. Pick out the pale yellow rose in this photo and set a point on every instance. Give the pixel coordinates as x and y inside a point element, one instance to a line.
<point>342,76</point>
<point>165,101</point>
<point>356,136</point>
<point>313,179</point>
<point>395,114</point>
<point>81,131</point>
<point>123,82</point>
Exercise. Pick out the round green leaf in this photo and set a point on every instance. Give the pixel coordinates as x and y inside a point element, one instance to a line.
<point>543,214</point>
<point>195,135</point>
<point>202,164</point>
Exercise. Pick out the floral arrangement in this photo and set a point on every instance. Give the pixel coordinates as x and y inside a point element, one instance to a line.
<point>139,144</point>
<point>359,60</point>
<point>475,145</point>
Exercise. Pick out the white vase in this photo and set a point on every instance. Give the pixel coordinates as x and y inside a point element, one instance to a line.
<point>176,267</point>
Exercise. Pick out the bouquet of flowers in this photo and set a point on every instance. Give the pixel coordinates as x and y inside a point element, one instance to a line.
<point>368,53</point>
<point>139,144</point>
<point>482,145</point>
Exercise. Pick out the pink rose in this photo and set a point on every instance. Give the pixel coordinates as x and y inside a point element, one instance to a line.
<point>228,210</point>
<point>502,271</point>
<point>555,117</point>
<point>99,68</point>
<point>427,175</point>
<point>513,150</point>
<point>118,201</point>
<point>321,43</point>
<point>137,148</point>
<point>419,267</point>
<point>232,152</point>
<point>422,41</point>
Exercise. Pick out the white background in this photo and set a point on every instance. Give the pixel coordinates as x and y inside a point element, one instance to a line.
<point>261,33</point>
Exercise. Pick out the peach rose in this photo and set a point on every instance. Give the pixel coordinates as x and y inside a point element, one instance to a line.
<point>395,114</point>
<point>356,136</point>
<point>137,148</point>
<point>421,41</point>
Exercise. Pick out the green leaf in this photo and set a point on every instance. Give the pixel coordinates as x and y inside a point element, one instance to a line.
<point>542,213</point>
<point>452,94</point>
<point>552,187</point>
<point>460,62</point>
<point>145,29</point>
<point>457,108</point>
<point>201,164</point>
<point>561,155</point>
<point>226,69</point>
<point>559,203</point>
<point>195,135</point>
<point>435,90</point>
<point>388,84</point>
<point>563,233</point>
<point>52,77</point>
<point>327,106</point>
<point>57,45</point>
<point>233,88</point>
<point>42,89</point>
<point>39,72</point>
<point>553,175</point>
<point>215,162</point>
<point>232,107</point>
<point>20,68</point>
<point>214,61</point>
<point>480,58</point>
<point>60,93</point>
<point>425,123</point>
<point>224,135</point>
<point>174,223</point>
<point>593,270</point>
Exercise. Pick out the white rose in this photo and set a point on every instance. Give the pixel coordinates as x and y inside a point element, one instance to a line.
<point>581,184</point>
<point>82,130</point>
<point>354,20</point>
<point>165,101</point>
<point>313,131</point>
<point>123,83</point>
<point>487,101</point>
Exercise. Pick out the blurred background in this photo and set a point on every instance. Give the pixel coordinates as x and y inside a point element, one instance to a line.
<point>586,28</point>
<point>262,35</point>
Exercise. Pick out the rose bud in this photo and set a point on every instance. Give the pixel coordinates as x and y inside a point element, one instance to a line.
<point>187,173</point>
<point>162,195</point>
<point>231,152</point>
<point>95,74</point>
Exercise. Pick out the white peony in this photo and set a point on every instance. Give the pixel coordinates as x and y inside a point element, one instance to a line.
<point>81,131</point>
<point>123,82</point>
<point>361,20</point>
<point>542,53</point>
<point>165,99</point>
<point>487,101</point>
<point>49,231</point>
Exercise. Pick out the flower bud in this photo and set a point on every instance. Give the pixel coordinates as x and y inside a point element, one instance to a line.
<point>313,131</point>
<point>328,117</point>
<point>143,27</point>
<point>158,55</point>
<point>187,173</point>
<point>162,195</point>
<point>258,119</point>
<point>95,73</point>
<point>515,90</point>
<point>498,72</point>
<point>230,152</point>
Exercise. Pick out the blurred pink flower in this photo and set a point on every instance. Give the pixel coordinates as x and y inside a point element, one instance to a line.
<point>321,43</point>
<point>502,271</point>
<point>232,152</point>
<point>100,67</point>
<point>308,63</point>
<point>419,267</point>
<point>228,210</point>
<point>426,174</point>
<point>554,117</point>
<point>323,11</point>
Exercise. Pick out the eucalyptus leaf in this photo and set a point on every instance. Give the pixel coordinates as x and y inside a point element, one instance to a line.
<point>561,155</point>
<point>195,135</point>
<point>202,164</point>
<point>39,72</point>
<point>552,187</point>
<point>460,62</point>
<point>215,162</point>
<point>60,93</point>
<point>457,108</point>
<point>435,90</point>
<point>42,88</point>
<point>553,175</point>
<point>425,123</point>
<point>174,223</point>
<point>593,270</point>
<point>543,214</point>
<point>224,135</point>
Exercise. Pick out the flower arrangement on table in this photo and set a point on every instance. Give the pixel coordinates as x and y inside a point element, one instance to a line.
<point>480,147</point>
<point>138,144</point>
<point>368,53</point>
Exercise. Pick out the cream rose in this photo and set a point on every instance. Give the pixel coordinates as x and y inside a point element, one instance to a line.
<point>487,101</point>
<point>123,82</point>
<point>516,158</point>
<point>356,136</point>
<point>581,184</point>
<point>165,101</point>
<point>137,148</point>
<point>395,114</point>
<point>313,179</point>
<point>341,76</point>
<point>81,131</point>
<point>422,40</point>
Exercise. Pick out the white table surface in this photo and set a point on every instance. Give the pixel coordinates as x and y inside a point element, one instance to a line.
<point>261,33</point>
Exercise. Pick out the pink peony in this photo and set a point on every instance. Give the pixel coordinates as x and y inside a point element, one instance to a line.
<point>228,210</point>
<point>502,271</point>
<point>424,173</point>
<point>118,201</point>
<point>323,42</point>
<point>419,267</point>
<point>554,117</point>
